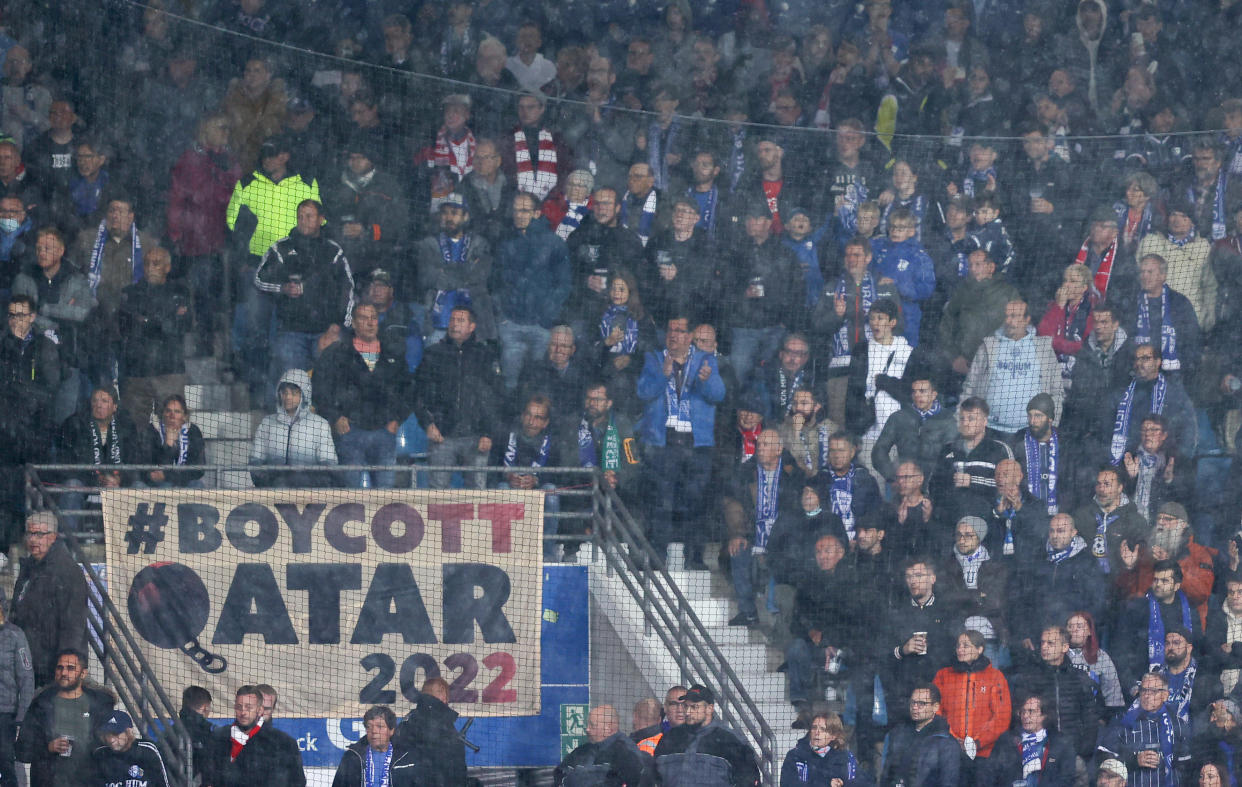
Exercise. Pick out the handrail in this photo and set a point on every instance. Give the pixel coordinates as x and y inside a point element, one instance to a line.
<point>125,668</point>
<point>669,614</point>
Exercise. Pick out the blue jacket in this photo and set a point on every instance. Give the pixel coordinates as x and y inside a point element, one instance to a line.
<point>533,276</point>
<point>913,273</point>
<point>703,395</point>
<point>803,766</point>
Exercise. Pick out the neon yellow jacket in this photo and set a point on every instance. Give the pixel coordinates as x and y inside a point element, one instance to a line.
<point>274,206</point>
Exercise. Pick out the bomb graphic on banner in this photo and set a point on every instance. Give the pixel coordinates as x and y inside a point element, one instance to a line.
<point>168,605</point>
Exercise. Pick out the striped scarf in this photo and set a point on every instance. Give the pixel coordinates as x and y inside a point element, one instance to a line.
<point>95,273</point>
<point>537,176</point>
<point>642,226</point>
<point>443,155</point>
<point>1104,272</point>
<point>573,217</point>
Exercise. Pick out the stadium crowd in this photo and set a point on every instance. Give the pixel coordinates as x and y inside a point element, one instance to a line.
<point>926,311</point>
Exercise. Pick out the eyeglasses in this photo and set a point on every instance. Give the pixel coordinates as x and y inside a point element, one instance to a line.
<point>20,315</point>
<point>38,533</point>
<point>921,703</point>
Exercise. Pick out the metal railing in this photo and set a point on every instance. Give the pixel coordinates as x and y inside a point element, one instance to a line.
<point>668,614</point>
<point>607,526</point>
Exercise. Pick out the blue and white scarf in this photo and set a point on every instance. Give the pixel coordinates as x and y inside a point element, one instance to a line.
<point>930,411</point>
<point>1076,545</point>
<point>842,495</point>
<point>847,215</point>
<point>1219,216</point>
<point>788,387</point>
<point>573,218</point>
<point>676,401</point>
<point>646,220</point>
<point>1180,688</point>
<point>916,205</point>
<point>1180,242</point>
<point>95,273</point>
<point>1155,629</point>
<point>1035,477</point>
<point>1033,752</point>
<point>373,779</point>
<point>971,564</point>
<point>708,202</point>
<point>979,175</point>
<point>630,340</point>
<point>767,498</point>
<point>1121,424</point>
<point>541,459</point>
<point>183,442</point>
<point>447,300</point>
<point>658,145</point>
<point>737,160</point>
<point>841,345</point>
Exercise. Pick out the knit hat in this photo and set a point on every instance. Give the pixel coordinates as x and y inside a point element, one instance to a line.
<point>1103,214</point>
<point>1175,510</point>
<point>976,524</point>
<point>1042,402</point>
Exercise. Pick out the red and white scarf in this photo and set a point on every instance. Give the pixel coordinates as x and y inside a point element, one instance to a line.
<point>538,176</point>
<point>445,153</point>
<point>240,738</point>
<point>1100,281</point>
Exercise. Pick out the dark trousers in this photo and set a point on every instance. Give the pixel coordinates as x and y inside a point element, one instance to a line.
<point>679,479</point>
<point>8,732</point>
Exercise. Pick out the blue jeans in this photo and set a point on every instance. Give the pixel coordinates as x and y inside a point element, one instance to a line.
<point>803,661</point>
<point>292,350</point>
<point>368,447</point>
<point>519,344</point>
<point>742,567</point>
<point>252,327</point>
<point>750,346</point>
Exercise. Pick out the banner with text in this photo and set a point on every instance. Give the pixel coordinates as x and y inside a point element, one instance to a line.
<point>340,599</point>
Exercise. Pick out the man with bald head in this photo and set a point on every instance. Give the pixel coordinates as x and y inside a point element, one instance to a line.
<point>1017,520</point>
<point>608,757</point>
<point>49,598</point>
<point>648,724</point>
<point>674,707</point>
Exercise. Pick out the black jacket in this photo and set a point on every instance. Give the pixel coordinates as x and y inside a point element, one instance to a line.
<point>1076,708</point>
<point>941,619</point>
<point>694,290</point>
<point>270,759</point>
<point>613,762</point>
<point>1046,593</point>
<point>199,730</point>
<point>369,398</point>
<point>158,453</point>
<point>929,757</point>
<point>152,332</point>
<point>713,740</point>
<point>772,265</point>
<point>457,389</point>
<point>429,732</point>
<point>1004,767</point>
<point>29,379</point>
<point>327,282</point>
<point>919,440</point>
<point>76,446</point>
<point>818,770</point>
<point>598,250</point>
<point>36,731</point>
<point>110,767</point>
<point>404,770</point>
<point>49,605</point>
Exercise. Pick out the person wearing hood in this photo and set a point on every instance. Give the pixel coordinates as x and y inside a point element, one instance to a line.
<point>1049,587</point>
<point>292,436</point>
<point>821,757</point>
<point>1011,367</point>
<point>363,386</point>
<point>922,751</point>
<point>974,697</point>
<point>900,260</point>
<point>703,751</point>
<point>430,733</point>
<point>1089,52</point>
<point>976,309</point>
<point>376,759</point>
<point>608,756</point>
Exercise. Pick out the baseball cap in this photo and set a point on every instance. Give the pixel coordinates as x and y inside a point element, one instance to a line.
<point>119,721</point>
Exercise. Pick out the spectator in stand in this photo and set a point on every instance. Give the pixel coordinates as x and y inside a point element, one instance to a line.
<point>822,755</point>
<point>264,208</point>
<point>50,155</point>
<point>975,578</point>
<point>1143,622</point>
<point>1186,256</point>
<point>16,690</point>
<point>1166,318</point>
<point>1102,366</point>
<point>488,193</point>
<point>123,754</point>
<point>1173,539</point>
<point>1153,472</point>
<point>919,430</point>
<point>760,493</point>
<point>1051,581</point>
<point>1031,753</point>
<point>1151,391</point>
<point>622,335</point>
<point>568,207</point>
<point>680,388</point>
<point>429,731</point>
<point>875,388</point>
<point>561,374</point>
<point>1076,710</point>
<point>1045,459</point>
<point>203,181</point>
<point>99,437</point>
<point>1139,214</point>
<point>776,379</point>
<point>363,389</point>
<point>1210,189</point>
<point>711,753</point>
<point>175,443</point>
<point>989,233</point>
<point>900,261</point>
<point>607,752</point>
<point>1011,367</point>
<point>1112,275</point>
<point>532,282</point>
<point>453,268</point>
<point>398,327</point>
<point>974,698</point>
<point>805,435</point>
<point>1017,520</point>
<point>1086,654</point>
<point>251,752</point>
<point>292,436</point>
<point>17,181</point>
<point>679,274</point>
<point>851,491</point>
<point>1222,641</point>
<point>975,310</point>
<point>153,317</point>
<point>922,751</point>
<point>1068,319</point>
<point>1150,739</point>
<point>368,209</point>
<point>376,757</point>
<point>255,104</point>
<point>598,249</point>
<point>762,280</point>
<point>921,628</point>
<point>966,471</point>
<point>56,735</point>
<point>535,158</point>
<point>603,139</point>
<point>458,398</point>
<point>528,446</point>
<point>16,241</point>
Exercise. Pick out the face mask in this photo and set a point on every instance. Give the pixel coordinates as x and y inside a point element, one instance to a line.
<point>9,225</point>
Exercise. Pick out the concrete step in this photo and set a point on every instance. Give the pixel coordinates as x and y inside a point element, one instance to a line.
<point>228,452</point>
<point>235,480</point>
<point>203,396</point>
<point>712,611</point>
<point>229,425</point>
<point>202,371</point>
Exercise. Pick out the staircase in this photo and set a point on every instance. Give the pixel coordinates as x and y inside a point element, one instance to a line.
<point>221,409</point>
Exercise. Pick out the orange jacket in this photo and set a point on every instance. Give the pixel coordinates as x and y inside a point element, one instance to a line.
<point>1198,574</point>
<point>974,699</point>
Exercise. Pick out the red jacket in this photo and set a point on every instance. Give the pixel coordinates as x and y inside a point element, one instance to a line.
<point>974,699</point>
<point>202,183</point>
